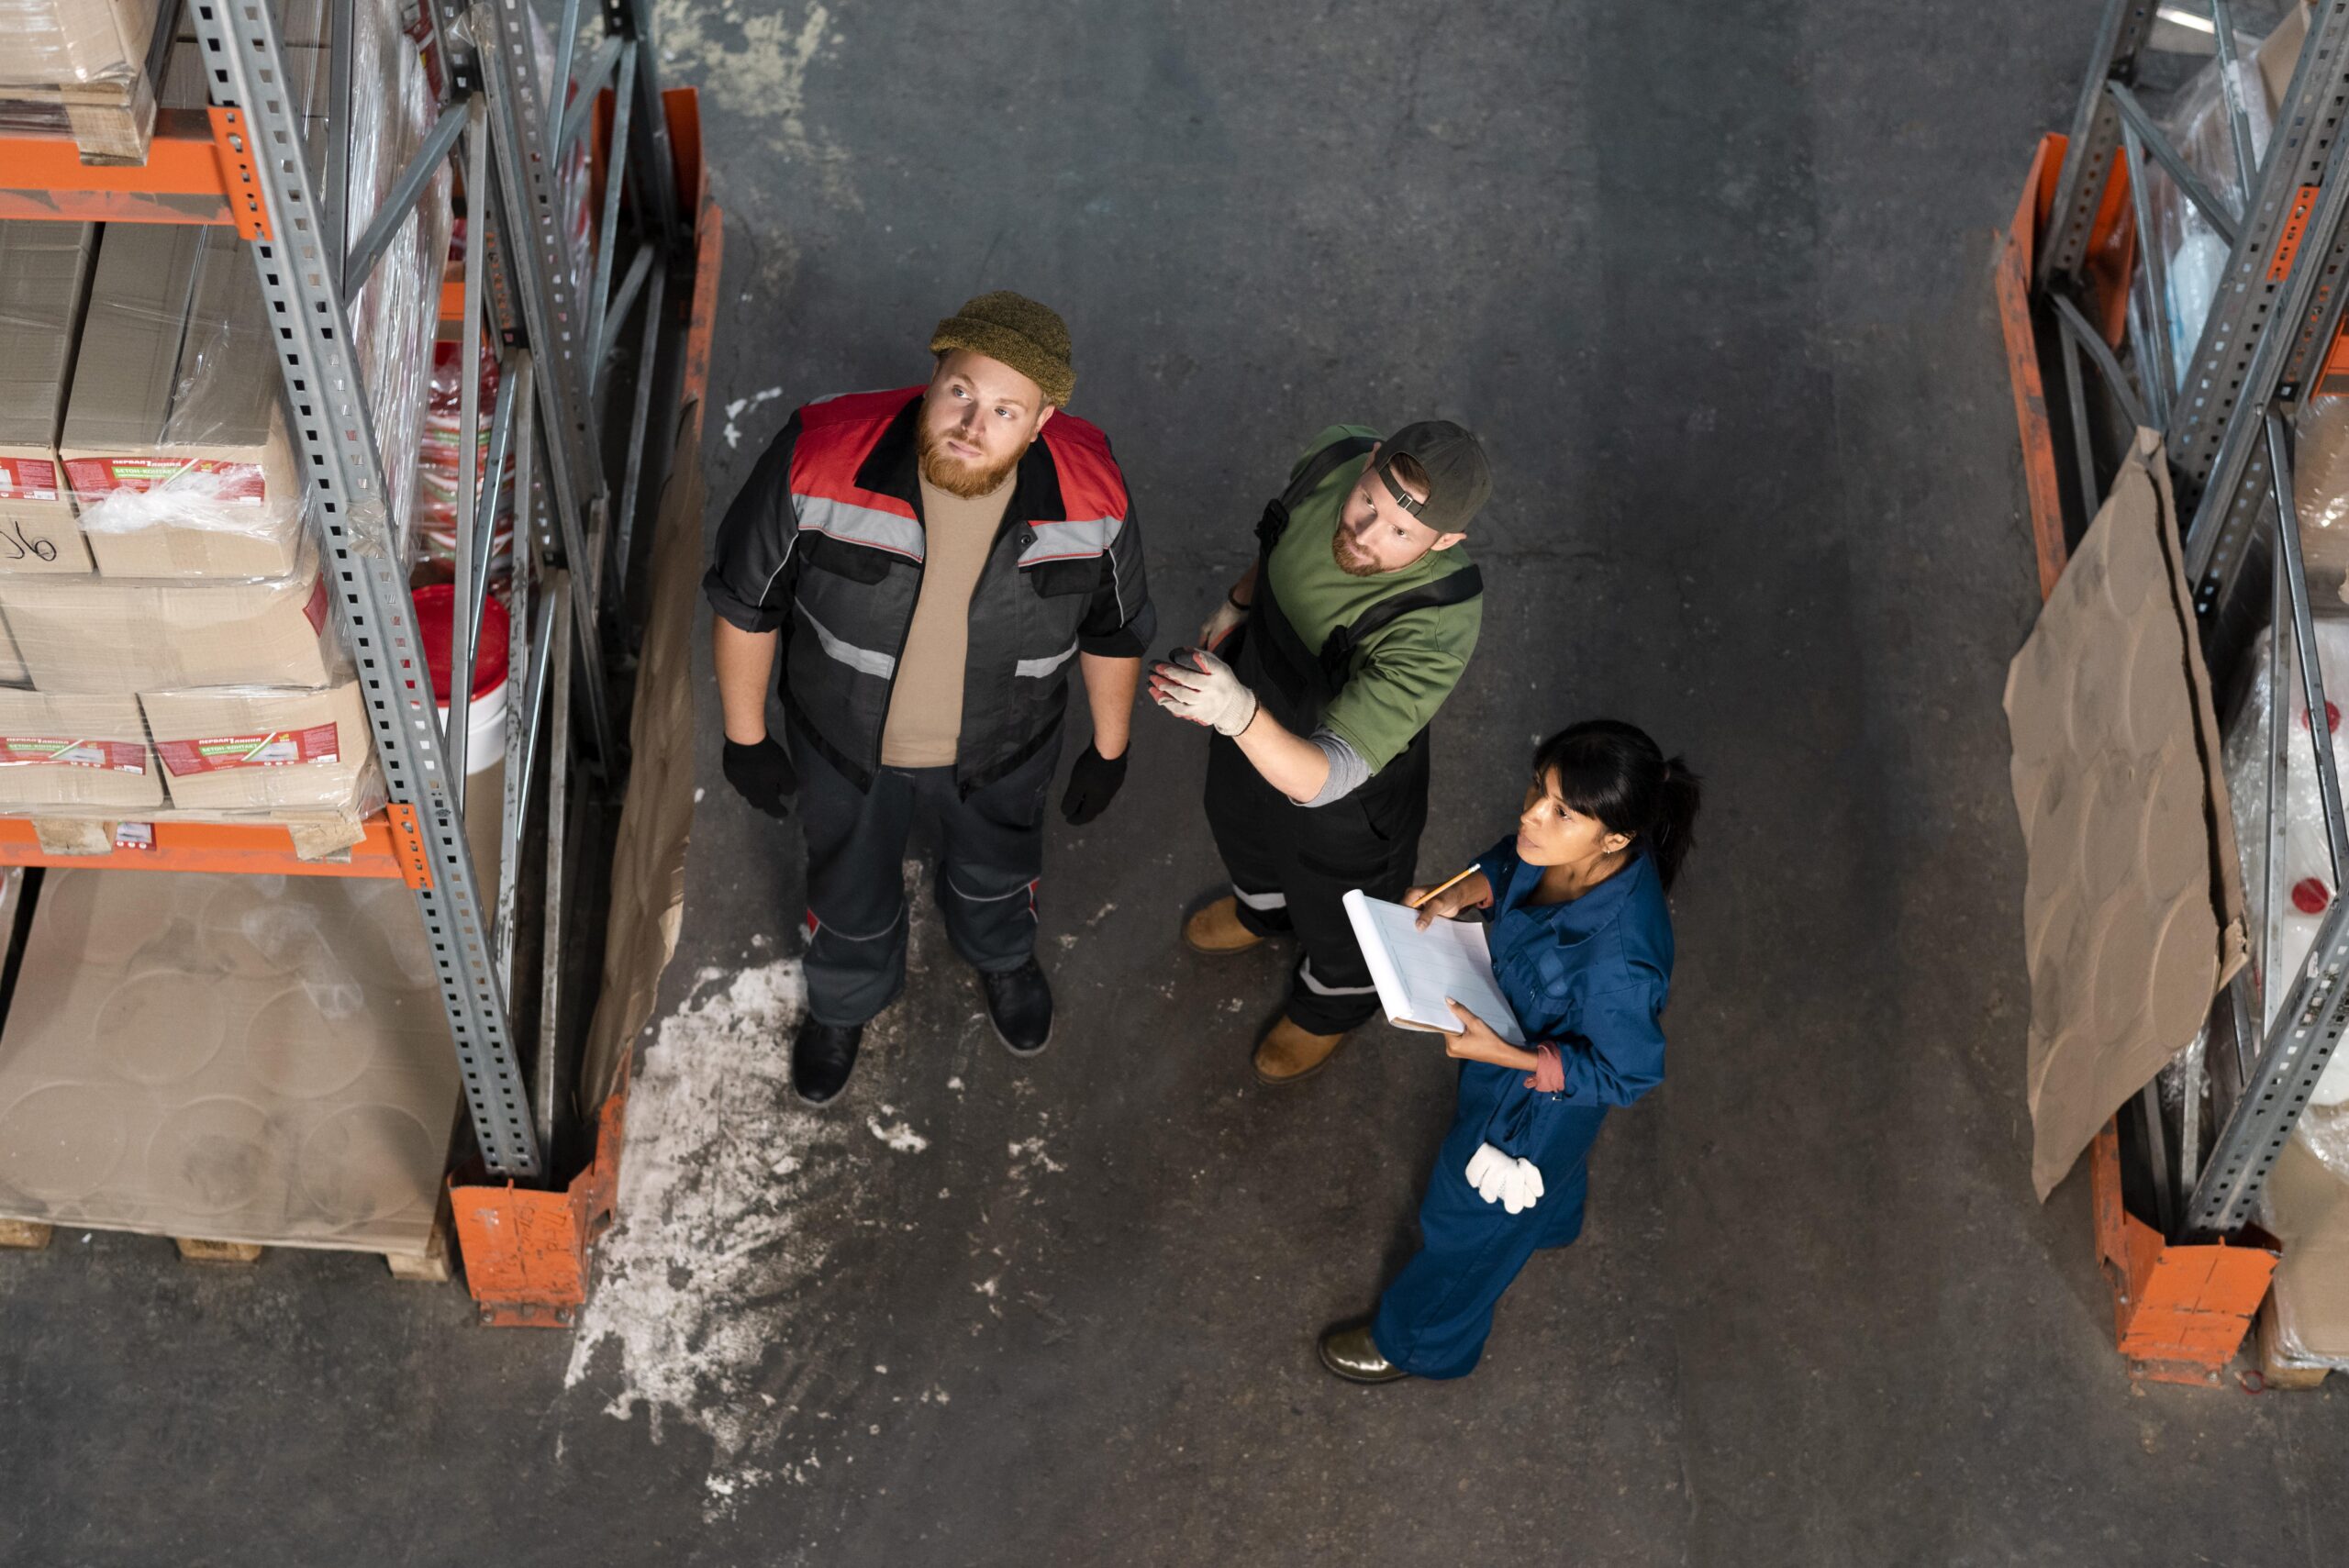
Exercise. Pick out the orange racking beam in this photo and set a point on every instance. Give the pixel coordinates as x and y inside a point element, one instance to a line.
<point>389,847</point>
<point>198,169</point>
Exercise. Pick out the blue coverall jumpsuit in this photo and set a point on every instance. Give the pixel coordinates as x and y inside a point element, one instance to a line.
<point>1590,977</point>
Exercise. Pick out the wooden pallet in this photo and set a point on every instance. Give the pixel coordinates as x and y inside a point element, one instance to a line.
<point>429,1266</point>
<point>23,1234</point>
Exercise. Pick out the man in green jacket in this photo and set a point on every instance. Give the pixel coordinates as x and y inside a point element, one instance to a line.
<point>1319,674</point>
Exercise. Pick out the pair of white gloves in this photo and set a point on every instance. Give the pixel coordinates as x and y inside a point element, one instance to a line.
<point>1514,1182</point>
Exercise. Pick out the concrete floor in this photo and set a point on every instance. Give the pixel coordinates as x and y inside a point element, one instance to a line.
<point>1713,283</point>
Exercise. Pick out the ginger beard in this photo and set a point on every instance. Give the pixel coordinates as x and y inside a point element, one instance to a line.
<point>958,477</point>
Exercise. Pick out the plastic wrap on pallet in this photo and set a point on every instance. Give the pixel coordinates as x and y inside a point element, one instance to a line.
<point>2304,878</point>
<point>115,636</point>
<point>2195,256</point>
<point>57,43</point>
<point>2320,492</point>
<point>395,317</point>
<point>264,748</point>
<point>174,441</point>
<point>441,474</point>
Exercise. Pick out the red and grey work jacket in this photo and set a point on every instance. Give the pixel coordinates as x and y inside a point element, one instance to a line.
<point>826,537</point>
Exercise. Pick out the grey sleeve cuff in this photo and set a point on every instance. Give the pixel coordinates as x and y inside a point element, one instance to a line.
<point>1347,770</point>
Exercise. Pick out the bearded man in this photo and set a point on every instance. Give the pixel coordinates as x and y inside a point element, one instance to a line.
<point>930,564</point>
<point>1320,673</point>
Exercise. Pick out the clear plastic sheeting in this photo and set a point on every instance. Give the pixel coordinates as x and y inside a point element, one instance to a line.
<point>441,474</point>
<point>57,43</point>
<point>394,315</point>
<point>105,636</point>
<point>2287,863</point>
<point>2194,255</point>
<point>2320,492</point>
<point>175,440</point>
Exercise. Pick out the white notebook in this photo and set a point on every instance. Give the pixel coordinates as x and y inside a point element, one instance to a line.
<point>1416,970</point>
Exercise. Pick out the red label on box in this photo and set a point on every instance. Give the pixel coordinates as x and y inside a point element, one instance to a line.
<point>315,612</point>
<point>95,477</point>
<point>28,479</point>
<point>276,749</point>
<point>113,756</point>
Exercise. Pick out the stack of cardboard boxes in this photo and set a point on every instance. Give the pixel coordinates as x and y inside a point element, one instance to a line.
<point>83,68</point>
<point>175,643</point>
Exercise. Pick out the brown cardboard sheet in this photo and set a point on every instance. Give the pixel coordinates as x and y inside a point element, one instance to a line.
<point>61,751</point>
<point>261,748</point>
<point>647,887</point>
<point>2133,916</point>
<point>102,634</point>
<point>238,1058</point>
<point>44,277</point>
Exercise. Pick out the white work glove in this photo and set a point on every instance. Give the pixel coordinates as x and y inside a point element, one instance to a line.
<point>1522,1188</point>
<point>1200,687</point>
<point>1221,625</point>
<point>1488,1172</point>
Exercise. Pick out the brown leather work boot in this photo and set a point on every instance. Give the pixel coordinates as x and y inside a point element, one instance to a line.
<point>1287,1053</point>
<point>1217,930</point>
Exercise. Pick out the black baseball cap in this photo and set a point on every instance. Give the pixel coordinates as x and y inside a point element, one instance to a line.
<point>1459,479</point>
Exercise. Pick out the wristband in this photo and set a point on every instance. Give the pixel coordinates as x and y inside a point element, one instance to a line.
<point>1234,603</point>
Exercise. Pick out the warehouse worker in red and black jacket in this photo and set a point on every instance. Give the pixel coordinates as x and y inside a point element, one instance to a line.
<point>931,564</point>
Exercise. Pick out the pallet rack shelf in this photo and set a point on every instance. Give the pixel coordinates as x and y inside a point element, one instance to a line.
<point>2089,321</point>
<point>560,410</point>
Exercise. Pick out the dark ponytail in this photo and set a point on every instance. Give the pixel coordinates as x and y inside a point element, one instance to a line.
<point>1613,771</point>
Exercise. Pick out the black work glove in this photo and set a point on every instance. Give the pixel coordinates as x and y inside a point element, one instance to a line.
<point>761,773</point>
<point>1093,785</point>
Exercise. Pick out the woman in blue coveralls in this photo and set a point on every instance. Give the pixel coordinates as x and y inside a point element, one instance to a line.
<point>1581,946</point>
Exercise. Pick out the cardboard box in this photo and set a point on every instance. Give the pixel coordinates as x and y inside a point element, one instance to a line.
<point>259,748</point>
<point>12,664</point>
<point>63,750</point>
<point>61,42</point>
<point>44,282</point>
<point>2133,909</point>
<point>99,634</point>
<point>238,1058</point>
<point>175,440</point>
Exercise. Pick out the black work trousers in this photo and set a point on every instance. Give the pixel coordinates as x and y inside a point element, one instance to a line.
<point>991,858</point>
<point>1291,866</point>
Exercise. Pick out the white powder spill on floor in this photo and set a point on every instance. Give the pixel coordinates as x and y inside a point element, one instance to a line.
<point>726,1195</point>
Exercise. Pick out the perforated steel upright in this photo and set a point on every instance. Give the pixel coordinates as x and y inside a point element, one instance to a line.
<point>519,283</point>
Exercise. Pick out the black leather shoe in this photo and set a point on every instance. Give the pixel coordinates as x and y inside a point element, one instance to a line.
<point>821,1058</point>
<point>1349,1351</point>
<point>1019,1005</point>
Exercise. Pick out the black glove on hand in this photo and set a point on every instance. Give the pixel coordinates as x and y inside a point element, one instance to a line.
<point>1093,785</point>
<point>761,773</point>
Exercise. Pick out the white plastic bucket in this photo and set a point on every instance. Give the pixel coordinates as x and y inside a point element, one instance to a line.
<point>485,728</point>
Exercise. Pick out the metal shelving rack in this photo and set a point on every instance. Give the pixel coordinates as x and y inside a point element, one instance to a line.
<point>243,162</point>
<point>2227,422</point>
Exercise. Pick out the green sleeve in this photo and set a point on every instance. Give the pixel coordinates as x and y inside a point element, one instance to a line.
<point>1402,678</point>
<point>1334,433</point>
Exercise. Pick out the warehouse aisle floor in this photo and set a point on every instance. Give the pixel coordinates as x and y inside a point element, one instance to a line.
<point>1713,283</point>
